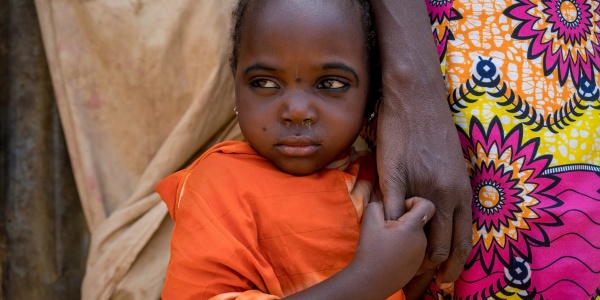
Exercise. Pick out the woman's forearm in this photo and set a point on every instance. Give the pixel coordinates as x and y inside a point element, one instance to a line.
<point>411,73</point>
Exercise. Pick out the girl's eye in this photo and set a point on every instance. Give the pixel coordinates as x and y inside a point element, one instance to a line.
<point>264,83</point>
<point>331,84</point>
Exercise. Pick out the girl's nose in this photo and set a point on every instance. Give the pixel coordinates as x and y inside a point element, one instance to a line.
<point>299,108</point>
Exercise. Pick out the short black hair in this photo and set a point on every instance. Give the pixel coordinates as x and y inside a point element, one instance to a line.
<point>244,8</point>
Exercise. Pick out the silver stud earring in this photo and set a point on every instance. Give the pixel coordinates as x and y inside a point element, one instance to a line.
<point>235,110</point>
<point>371,118</point>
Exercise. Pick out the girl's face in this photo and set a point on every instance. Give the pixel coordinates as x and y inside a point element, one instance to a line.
<point>301,81</point>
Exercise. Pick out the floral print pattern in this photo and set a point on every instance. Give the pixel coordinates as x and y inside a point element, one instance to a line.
<point>564,32</point>
<point>522,79</point>
<point>509,203</point>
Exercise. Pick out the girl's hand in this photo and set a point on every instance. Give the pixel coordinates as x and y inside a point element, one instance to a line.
<point>390,252</point>
<point>387,256</point>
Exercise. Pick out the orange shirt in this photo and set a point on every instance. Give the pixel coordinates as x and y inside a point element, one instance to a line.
<point>243,228</point>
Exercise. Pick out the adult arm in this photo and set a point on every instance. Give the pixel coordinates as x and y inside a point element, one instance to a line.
<point>418,152</point>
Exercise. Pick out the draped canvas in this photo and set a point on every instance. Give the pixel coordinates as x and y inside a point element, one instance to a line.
<point>142,88</point>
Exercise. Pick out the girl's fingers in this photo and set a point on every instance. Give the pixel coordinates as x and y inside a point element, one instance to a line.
<point>419,210</point>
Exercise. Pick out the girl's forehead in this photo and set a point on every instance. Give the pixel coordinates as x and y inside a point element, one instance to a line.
<point>296,33</point>
<point>302,13</point>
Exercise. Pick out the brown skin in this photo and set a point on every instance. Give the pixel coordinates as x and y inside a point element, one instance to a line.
<point>294,69</point>
<point>418,152</point>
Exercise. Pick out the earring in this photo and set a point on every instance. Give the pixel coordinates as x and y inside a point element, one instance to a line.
<point>235,110</point>
<point>371,118</point>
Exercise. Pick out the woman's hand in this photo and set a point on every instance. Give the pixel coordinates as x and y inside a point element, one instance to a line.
<point>427,162</point>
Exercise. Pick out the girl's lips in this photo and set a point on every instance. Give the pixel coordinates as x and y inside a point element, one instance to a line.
<point>297,146</point>
<point>297,150</point>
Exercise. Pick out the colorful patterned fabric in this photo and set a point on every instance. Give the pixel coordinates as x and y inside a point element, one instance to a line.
<point>522,80</point>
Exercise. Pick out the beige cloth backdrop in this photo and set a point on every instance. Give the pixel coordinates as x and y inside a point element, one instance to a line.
<point>142,86</point>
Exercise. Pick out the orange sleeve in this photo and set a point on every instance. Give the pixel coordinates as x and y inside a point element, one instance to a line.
<point>214,249</point>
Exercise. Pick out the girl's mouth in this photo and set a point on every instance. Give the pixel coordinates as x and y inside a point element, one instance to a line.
<point>298,146</point>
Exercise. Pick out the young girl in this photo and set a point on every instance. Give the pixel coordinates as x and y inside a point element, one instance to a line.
<point>292,213</point>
